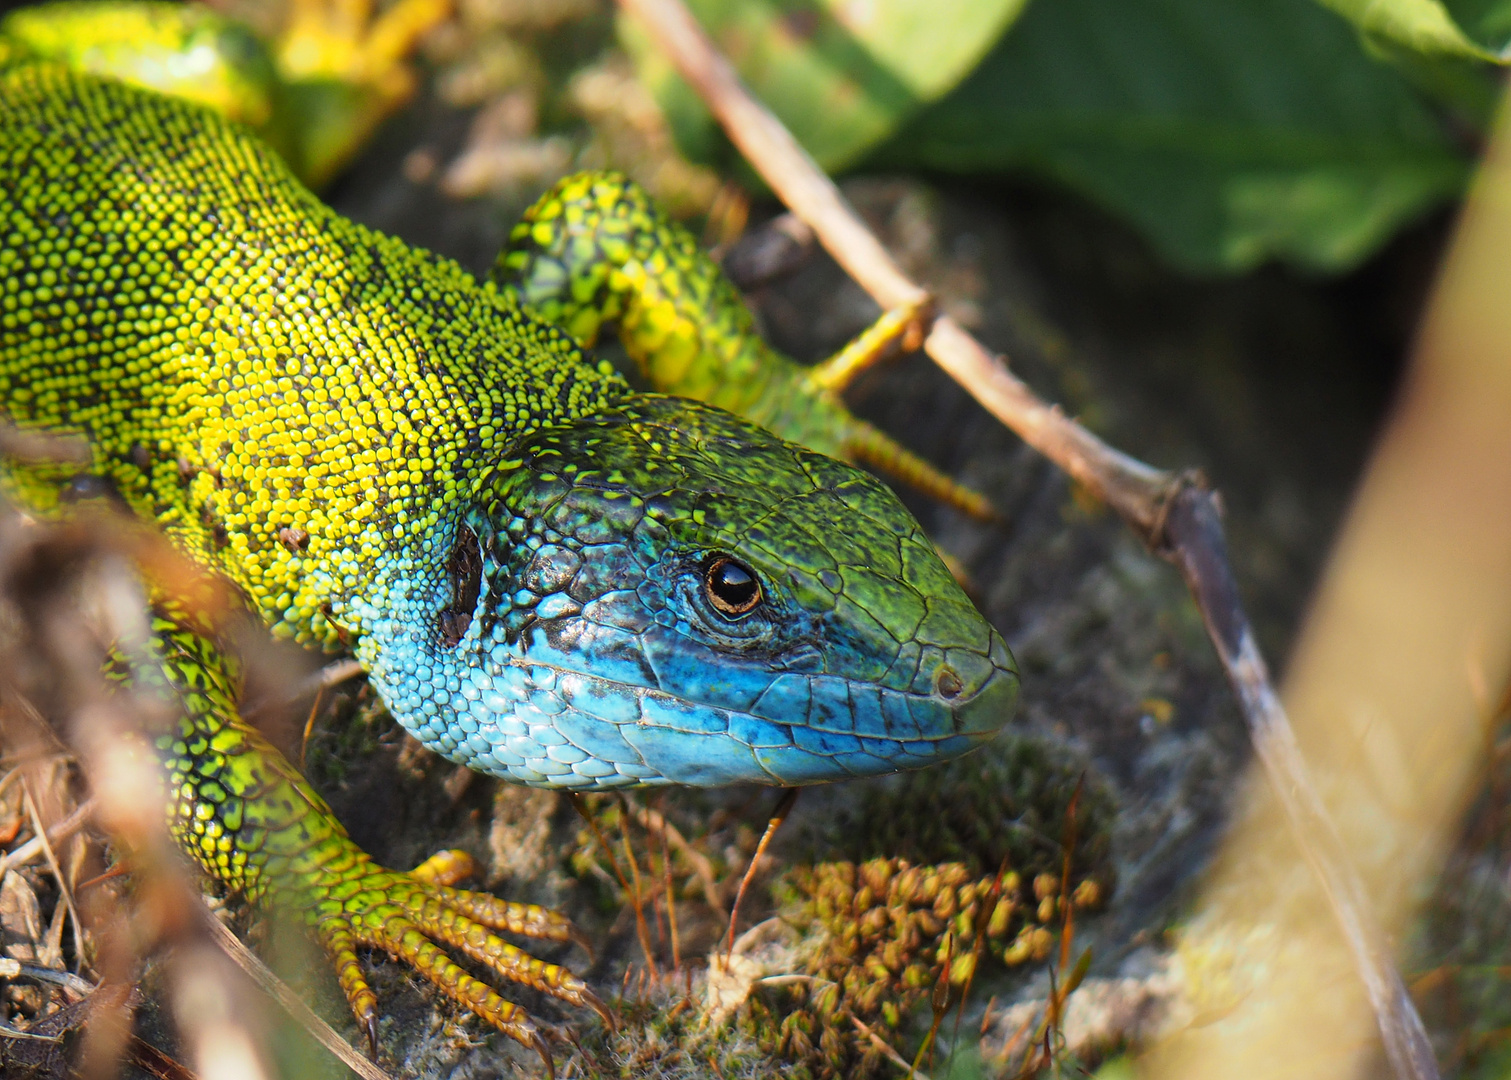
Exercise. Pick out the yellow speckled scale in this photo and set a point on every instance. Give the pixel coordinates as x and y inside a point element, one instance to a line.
<point>290,395</point>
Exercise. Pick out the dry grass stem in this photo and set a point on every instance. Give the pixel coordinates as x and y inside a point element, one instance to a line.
<point>65,891</point>
<point>887,1051</point>
<point>655,821</point>
<point>779,815</point>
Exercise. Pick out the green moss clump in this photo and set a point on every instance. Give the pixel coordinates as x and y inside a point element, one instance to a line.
<point>931,876</point>
<point>1008,802</point>
<point>661,1034</point>
<point>892,934</point>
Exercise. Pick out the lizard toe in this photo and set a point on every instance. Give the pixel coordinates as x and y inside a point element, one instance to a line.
<point>445,923</point>
<point>447,867</point>
<point>526,920</point>
<point>409,915</point>
<point>341,944</point>
<point>406,941</point>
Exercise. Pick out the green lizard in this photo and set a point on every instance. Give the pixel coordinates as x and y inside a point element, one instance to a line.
<point>547,576</point>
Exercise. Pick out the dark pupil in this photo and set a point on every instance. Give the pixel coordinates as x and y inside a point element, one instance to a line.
<point>732,587</point>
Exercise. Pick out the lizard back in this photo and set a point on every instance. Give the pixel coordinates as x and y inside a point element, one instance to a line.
<point>290,395</point>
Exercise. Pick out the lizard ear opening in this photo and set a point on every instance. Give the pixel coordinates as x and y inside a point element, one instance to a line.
<point>464,570</point>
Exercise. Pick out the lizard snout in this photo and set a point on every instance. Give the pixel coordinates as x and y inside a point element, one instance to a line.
<point>980,691</point>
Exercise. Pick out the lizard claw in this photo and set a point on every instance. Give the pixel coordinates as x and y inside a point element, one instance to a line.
<point>372,1035</point>
<point>594,1002</point>
<point>538,1044</point>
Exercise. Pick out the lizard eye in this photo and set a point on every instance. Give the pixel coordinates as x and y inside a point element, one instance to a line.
<point>732,589</point>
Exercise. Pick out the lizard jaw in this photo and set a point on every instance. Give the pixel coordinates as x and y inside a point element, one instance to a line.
<point>530,718</point>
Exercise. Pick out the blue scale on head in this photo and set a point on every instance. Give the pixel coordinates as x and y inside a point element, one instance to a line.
<point>705,618</point>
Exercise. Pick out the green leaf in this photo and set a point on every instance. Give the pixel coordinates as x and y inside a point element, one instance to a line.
<point>1441,47</point>
<point>842,74</point>
<point>1422,26</point>
<point>1464,29</point>
<point>1485,21</point>
<point>1229,132</point>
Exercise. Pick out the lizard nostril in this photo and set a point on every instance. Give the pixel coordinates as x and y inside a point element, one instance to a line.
<point>947,683</point>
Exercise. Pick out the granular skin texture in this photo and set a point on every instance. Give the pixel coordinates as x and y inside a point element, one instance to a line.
<point>288,394</point>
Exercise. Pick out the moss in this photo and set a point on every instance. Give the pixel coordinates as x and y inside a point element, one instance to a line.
<point>891,934</point>
<point>345,738</point>
<point>662,1036</point>
<point>951,871</point>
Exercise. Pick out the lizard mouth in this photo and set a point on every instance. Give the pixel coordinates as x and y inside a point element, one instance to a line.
<point>543,722</point>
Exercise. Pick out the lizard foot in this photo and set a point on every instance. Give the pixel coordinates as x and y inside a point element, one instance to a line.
<point>407,914</point>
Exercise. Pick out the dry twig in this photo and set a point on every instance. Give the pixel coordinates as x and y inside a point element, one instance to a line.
<point>64,829</point>
<point>1175,514</point>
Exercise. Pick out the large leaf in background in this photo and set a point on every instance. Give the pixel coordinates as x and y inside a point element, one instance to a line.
<point>1227,131</point>
<point>842,74</point>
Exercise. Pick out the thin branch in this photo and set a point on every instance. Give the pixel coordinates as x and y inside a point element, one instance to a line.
<point>1135,490</point>
<point>80,988</point>
<point>1175,514</point>
<point>15,1033</point>
<point>1200,552</point>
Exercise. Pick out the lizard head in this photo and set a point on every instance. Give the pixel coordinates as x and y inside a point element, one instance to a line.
<point>663,593</point>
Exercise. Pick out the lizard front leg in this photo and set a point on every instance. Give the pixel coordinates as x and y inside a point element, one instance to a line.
<point>595,250</point>
<point>251,821</point>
